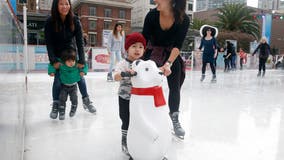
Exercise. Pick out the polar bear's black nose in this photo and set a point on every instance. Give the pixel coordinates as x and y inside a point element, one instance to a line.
<point>161,73</point>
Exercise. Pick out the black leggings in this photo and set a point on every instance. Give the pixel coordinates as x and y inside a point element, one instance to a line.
<point>175,81</point>
<point>124,112</point>
<point>212,66</point>
<point>261,65</point>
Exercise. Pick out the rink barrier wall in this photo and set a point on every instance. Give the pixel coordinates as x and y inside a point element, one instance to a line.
<point>11,58</point>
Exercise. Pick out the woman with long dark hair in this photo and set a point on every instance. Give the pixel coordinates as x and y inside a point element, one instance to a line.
<point>165,28</point>
<point>63,30</point>
<point>115,47</point>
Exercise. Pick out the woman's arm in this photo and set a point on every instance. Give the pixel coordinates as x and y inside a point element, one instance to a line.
<point>49,42</point>
<point>180,36</point>
<point>79,41</point>
<point>255,50</point>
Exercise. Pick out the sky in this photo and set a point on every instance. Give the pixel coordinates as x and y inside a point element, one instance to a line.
<point>252,3</point>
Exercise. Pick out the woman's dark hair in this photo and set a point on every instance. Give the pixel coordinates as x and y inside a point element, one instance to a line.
<point>56,16</point>
<point>114,31</point>
<point>68,54</point>
<point>179,10</point>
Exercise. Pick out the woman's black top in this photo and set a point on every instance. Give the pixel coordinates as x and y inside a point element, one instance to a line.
<point>264,50</point>
<point>172,37</point>
<point>56,42</point>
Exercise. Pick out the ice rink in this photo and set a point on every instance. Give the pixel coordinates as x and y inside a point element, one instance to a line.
<point>241,117</point>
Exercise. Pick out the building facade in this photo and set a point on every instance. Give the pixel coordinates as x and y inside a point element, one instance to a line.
<point>35,21</point>
<point>44,4</point>
<point>98,17</point>
<point>204,5</point>
<point>277,5</point>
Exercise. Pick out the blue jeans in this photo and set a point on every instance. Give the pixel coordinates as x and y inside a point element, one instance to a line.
<point>114,55</point>
<point>233,61</point>
<point>57,87</point>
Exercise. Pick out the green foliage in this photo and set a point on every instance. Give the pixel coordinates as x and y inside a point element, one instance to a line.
<point>237,17</point>
<point>197,23</point>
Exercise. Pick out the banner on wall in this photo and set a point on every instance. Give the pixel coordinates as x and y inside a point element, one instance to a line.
<point>105,37</point>
<point>100,59</point>
<point>266,25</point>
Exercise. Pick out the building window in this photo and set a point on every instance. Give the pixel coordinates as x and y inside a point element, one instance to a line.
<point>190,7</point>
<point>107,12</point>
<point>107,24</point>
<point>93,39</point>
<point>92,25</point>
<point>92,11</point>
<point>152,2</point>
<point>121,14</point>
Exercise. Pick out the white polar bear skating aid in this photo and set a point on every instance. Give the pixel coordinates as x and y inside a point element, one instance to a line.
<point>149,133</point>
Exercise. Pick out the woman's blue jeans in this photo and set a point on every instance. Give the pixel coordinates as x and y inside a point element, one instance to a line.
<point>57,86</point>
<point>114,56</point>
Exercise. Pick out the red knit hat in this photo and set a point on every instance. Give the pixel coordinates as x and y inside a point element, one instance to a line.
<point>133,38</point>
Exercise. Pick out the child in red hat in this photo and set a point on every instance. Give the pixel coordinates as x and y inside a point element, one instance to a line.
<point>135,45</point>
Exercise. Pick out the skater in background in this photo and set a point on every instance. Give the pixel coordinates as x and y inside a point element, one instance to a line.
<point>165,28</point>
<point>135,45</point>
<point>219,49</point>
<point>243,58</point>
<point>70,75</point>
<point>228,56</point>
<point>233,57</point>
<point>60,31</point>
<point>264,51</point>
<point>208,42</point>
<point>115,48</point>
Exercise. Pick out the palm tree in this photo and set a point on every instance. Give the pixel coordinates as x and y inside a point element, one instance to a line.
<point>237,18</point>
<point>197,23</point>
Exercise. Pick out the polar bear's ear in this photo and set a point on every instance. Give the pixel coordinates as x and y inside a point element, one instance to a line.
<point>137,62</point>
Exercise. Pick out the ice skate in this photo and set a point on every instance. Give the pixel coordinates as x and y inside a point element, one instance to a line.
<point>87,104</point>
<point>202,78</point>
<point>259,74</point>
<point>54,111</point>
<point>61,112</point>
<point>73,110</point>
<point>263,74</point>
<point>178,130</point>
<point>109,77</point>
<point>214,79</point>
<point>124,142</point>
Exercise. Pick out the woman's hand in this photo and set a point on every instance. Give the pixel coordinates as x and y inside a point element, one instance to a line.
<point>80,65</point>
<point>215,55</point>
<point>56,65</point>
<point>166,69</point>
<point>51,74</point>
<point>82,74</point>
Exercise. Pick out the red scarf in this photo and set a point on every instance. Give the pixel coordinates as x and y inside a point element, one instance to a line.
<point>156,91</point>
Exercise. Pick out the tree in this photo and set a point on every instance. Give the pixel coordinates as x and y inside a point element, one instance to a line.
<point>197,23</point>
<point>237,18</point>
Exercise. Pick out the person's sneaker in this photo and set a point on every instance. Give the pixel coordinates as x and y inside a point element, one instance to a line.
<point>54,111</point>
<point>87,104</point>
<point>73,110</point>
<point>202,77</point>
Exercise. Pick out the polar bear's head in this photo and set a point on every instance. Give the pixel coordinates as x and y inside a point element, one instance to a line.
<point>148,74</point>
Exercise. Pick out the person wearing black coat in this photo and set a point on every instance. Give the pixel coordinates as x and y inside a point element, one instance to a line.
<point>264,51</point>
<point>63,31</point>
